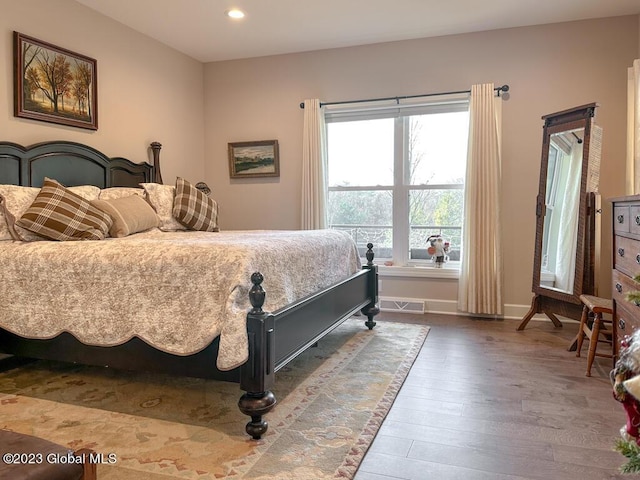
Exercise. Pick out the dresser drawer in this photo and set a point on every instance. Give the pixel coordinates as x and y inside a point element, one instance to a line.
<point>621,219</point>
<point>626,321</point>
<point>623,284</point>
<point>634,219</point>
<point>626,256</point>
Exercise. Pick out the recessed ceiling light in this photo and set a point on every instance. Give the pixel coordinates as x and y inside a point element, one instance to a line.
<point>234,13</point>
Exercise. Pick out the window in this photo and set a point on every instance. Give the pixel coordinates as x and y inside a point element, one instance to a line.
<point>396,177</point>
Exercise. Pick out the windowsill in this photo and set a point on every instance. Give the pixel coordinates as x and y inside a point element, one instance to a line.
<point>452,272</point>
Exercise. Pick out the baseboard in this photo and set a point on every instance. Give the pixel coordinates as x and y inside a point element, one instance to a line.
<point>450,307</point>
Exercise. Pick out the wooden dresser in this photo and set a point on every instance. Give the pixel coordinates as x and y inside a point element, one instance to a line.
<point>626,264</point>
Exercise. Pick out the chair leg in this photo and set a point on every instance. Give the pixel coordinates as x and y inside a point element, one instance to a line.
<point>583,322</point>
<point>593,341</point>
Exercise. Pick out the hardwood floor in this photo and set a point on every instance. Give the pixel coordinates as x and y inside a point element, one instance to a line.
<point>484,401</point>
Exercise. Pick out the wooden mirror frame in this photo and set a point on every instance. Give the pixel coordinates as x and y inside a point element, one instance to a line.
<point>546,300</point>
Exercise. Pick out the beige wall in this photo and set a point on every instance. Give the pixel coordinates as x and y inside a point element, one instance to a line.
<point>146,91</point>
<point>549,68</point>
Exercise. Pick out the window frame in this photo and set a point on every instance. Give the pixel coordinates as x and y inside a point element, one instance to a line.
<point>401,188</point>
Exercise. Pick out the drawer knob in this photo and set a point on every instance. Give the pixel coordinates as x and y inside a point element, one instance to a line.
<point>618,287</point>
<point>638,258</point>
<point>620,218</point>
<point>637,219</point>
<point>621,323</point>
<point>621,252</point>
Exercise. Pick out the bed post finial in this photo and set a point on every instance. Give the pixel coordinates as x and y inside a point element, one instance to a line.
<point>155,148</point>
<point>257,293</point>
<point>369,254</point>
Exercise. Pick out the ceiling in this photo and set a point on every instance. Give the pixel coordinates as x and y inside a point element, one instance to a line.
<point>200,29</point>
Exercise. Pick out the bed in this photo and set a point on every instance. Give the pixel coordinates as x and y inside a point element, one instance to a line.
<point>312,299</point>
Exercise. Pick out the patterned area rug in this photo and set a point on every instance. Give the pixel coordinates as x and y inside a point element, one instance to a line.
<point>331,402</point>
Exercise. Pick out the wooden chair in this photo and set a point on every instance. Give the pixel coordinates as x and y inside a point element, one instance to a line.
<point>595,330</point>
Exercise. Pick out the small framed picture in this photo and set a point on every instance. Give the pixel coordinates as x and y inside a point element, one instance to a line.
<point>53,84</point>
<point>254,159</point>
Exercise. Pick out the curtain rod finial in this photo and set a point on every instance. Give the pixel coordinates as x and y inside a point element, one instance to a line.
<point>301,104</point>
<point>503,88</point>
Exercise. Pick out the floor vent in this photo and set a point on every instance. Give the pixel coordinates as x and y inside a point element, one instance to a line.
<point>399,305</point>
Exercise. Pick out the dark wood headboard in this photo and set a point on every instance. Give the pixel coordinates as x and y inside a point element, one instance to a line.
<point>73,164</point>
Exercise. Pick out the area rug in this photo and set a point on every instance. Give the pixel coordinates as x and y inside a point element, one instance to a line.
<point>331,402</point>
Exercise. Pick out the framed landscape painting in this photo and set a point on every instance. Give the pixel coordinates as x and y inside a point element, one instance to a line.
<point>254,159</point>
<point>53,84</point>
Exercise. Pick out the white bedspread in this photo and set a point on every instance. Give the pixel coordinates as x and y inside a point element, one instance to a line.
<point>176,291</point>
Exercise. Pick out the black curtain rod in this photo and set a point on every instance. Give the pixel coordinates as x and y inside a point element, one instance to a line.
<point>503,88</point>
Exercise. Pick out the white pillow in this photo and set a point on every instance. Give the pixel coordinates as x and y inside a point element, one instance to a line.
<point>161,199</point>
<point>113,193</point>
<point>5,234</point>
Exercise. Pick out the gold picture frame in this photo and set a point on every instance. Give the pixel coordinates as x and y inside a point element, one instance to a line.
<point>53,84</point>
<point>254,159</point>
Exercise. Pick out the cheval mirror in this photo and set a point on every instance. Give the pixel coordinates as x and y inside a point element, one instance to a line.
<point>567,215</point>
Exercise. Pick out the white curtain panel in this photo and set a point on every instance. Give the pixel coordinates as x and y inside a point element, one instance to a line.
<point>314,167</point>
<point>480,285</point>
<point>633,128</point>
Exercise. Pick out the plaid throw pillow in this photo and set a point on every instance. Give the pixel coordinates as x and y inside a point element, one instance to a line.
<point>59,214</point>
<point>194,209</point>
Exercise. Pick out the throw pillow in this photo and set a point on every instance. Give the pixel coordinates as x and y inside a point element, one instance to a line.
<point>16,201</point>
<point>130,215</point>
<point>194,209</point>
<point>59,214</point>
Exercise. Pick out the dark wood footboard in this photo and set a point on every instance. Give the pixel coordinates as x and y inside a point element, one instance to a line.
<point>277,338</point>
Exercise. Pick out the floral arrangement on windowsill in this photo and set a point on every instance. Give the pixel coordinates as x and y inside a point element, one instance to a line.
<point>625,378</point>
